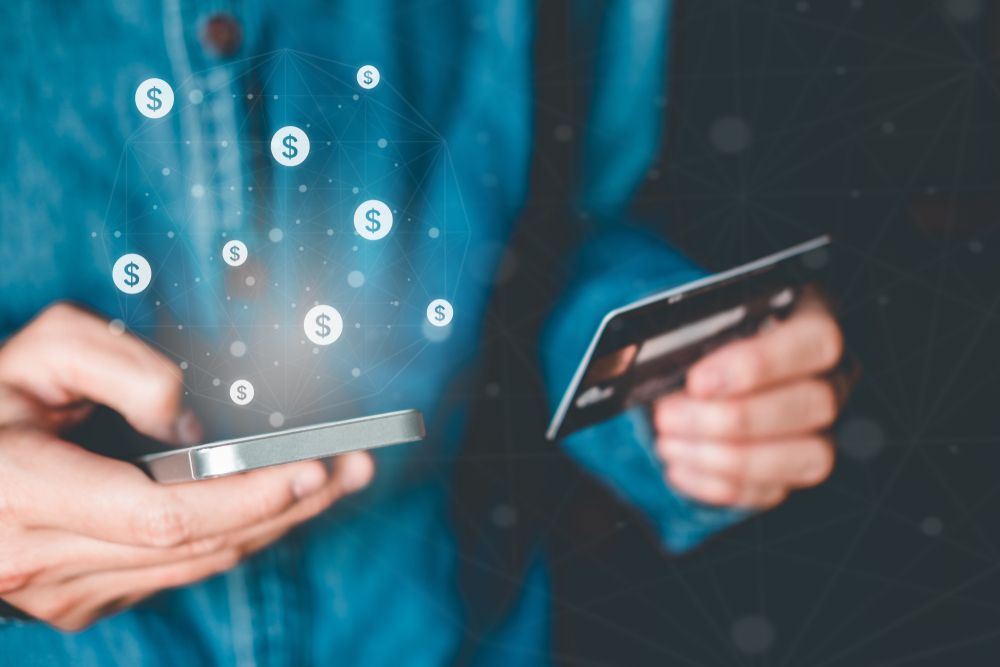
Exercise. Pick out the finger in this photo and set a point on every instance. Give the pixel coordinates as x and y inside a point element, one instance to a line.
<point>796,462</point>
<point>807,343</point>
<point>77,604</point>
<point>349,474</point>
<point>19,408</point>
<point>67,355</point>
<point>58,485</point>
<point>62,556</point>
<point>286,494</point>
<point>48,556</point>
<point>721,491</point>
<point>798,407</point>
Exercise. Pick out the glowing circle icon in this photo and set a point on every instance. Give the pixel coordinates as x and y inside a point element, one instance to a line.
<point>241,392</point>
<point>440,312</point>
<point>131,273</point>
<point>234,253</point>
<point>290,146</point>
<point>372,220</point>
<point>323,324</point>
<point>154,98</point>
<point>368,76</point>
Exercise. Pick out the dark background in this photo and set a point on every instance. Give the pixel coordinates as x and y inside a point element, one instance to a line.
<point>877,122</point>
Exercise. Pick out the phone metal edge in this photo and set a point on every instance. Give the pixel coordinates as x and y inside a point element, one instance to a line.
<point>557,419</point>
<point>236,455</point>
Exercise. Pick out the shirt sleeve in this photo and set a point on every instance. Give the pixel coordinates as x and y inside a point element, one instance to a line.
<point>616,262</point>
<point>615,268</point>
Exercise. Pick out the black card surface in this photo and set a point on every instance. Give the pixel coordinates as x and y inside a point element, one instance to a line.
<point>643,350</point>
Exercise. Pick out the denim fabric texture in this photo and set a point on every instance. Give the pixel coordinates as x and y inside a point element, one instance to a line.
<point>372,581</point>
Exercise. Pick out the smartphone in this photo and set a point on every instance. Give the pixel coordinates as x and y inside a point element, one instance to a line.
<point>228,457</point>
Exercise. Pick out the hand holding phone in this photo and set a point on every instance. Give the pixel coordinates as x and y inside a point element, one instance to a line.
<point>84,535</point>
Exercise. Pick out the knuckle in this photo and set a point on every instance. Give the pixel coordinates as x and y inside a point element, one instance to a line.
<point>60,318</point>
<point>750,366</point>
<point>164,523</point>
<point>730,461</point>
<point>57,314</point>
<point>734,418</point>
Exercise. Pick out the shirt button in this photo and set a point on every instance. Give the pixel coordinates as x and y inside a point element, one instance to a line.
<point>222,35</point>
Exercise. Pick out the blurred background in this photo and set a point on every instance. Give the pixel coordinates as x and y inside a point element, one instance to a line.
<point>877,122</point>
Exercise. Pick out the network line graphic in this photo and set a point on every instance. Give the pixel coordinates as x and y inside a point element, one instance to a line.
<point>290,230</point>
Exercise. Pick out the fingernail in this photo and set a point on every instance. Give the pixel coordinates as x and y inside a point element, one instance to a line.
<point>188,429</point>
<point>708,382</point>
<point>309,481</point>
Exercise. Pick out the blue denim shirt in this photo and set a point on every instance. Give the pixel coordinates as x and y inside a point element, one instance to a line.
<point>445,138</point>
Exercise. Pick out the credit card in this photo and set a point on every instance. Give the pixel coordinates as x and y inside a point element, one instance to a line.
<point>643,350</point>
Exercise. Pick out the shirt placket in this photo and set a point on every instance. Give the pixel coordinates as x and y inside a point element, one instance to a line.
<point>208,43</point>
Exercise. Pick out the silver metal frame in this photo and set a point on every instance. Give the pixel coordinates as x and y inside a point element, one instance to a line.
<point>226,457</point>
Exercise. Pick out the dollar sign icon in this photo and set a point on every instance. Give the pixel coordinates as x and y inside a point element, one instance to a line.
<point>234,253</point>
<point>241,392</point>
<point>323,324</point>
<point>372,220</point>
<point>153,94</point>
<point>131,273</point>
<point>368,76</point>
<point>440,312</point>
<point>154,98</point>
<point>373,224</point>
<point>289,143</point>
<point>289,146</point>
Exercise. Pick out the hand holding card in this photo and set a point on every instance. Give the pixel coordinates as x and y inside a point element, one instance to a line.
<point>732,368</point>
<point>643,350</point>
<point>750,424</point>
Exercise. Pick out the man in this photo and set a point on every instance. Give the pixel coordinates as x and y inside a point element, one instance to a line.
<point>86,541</point>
